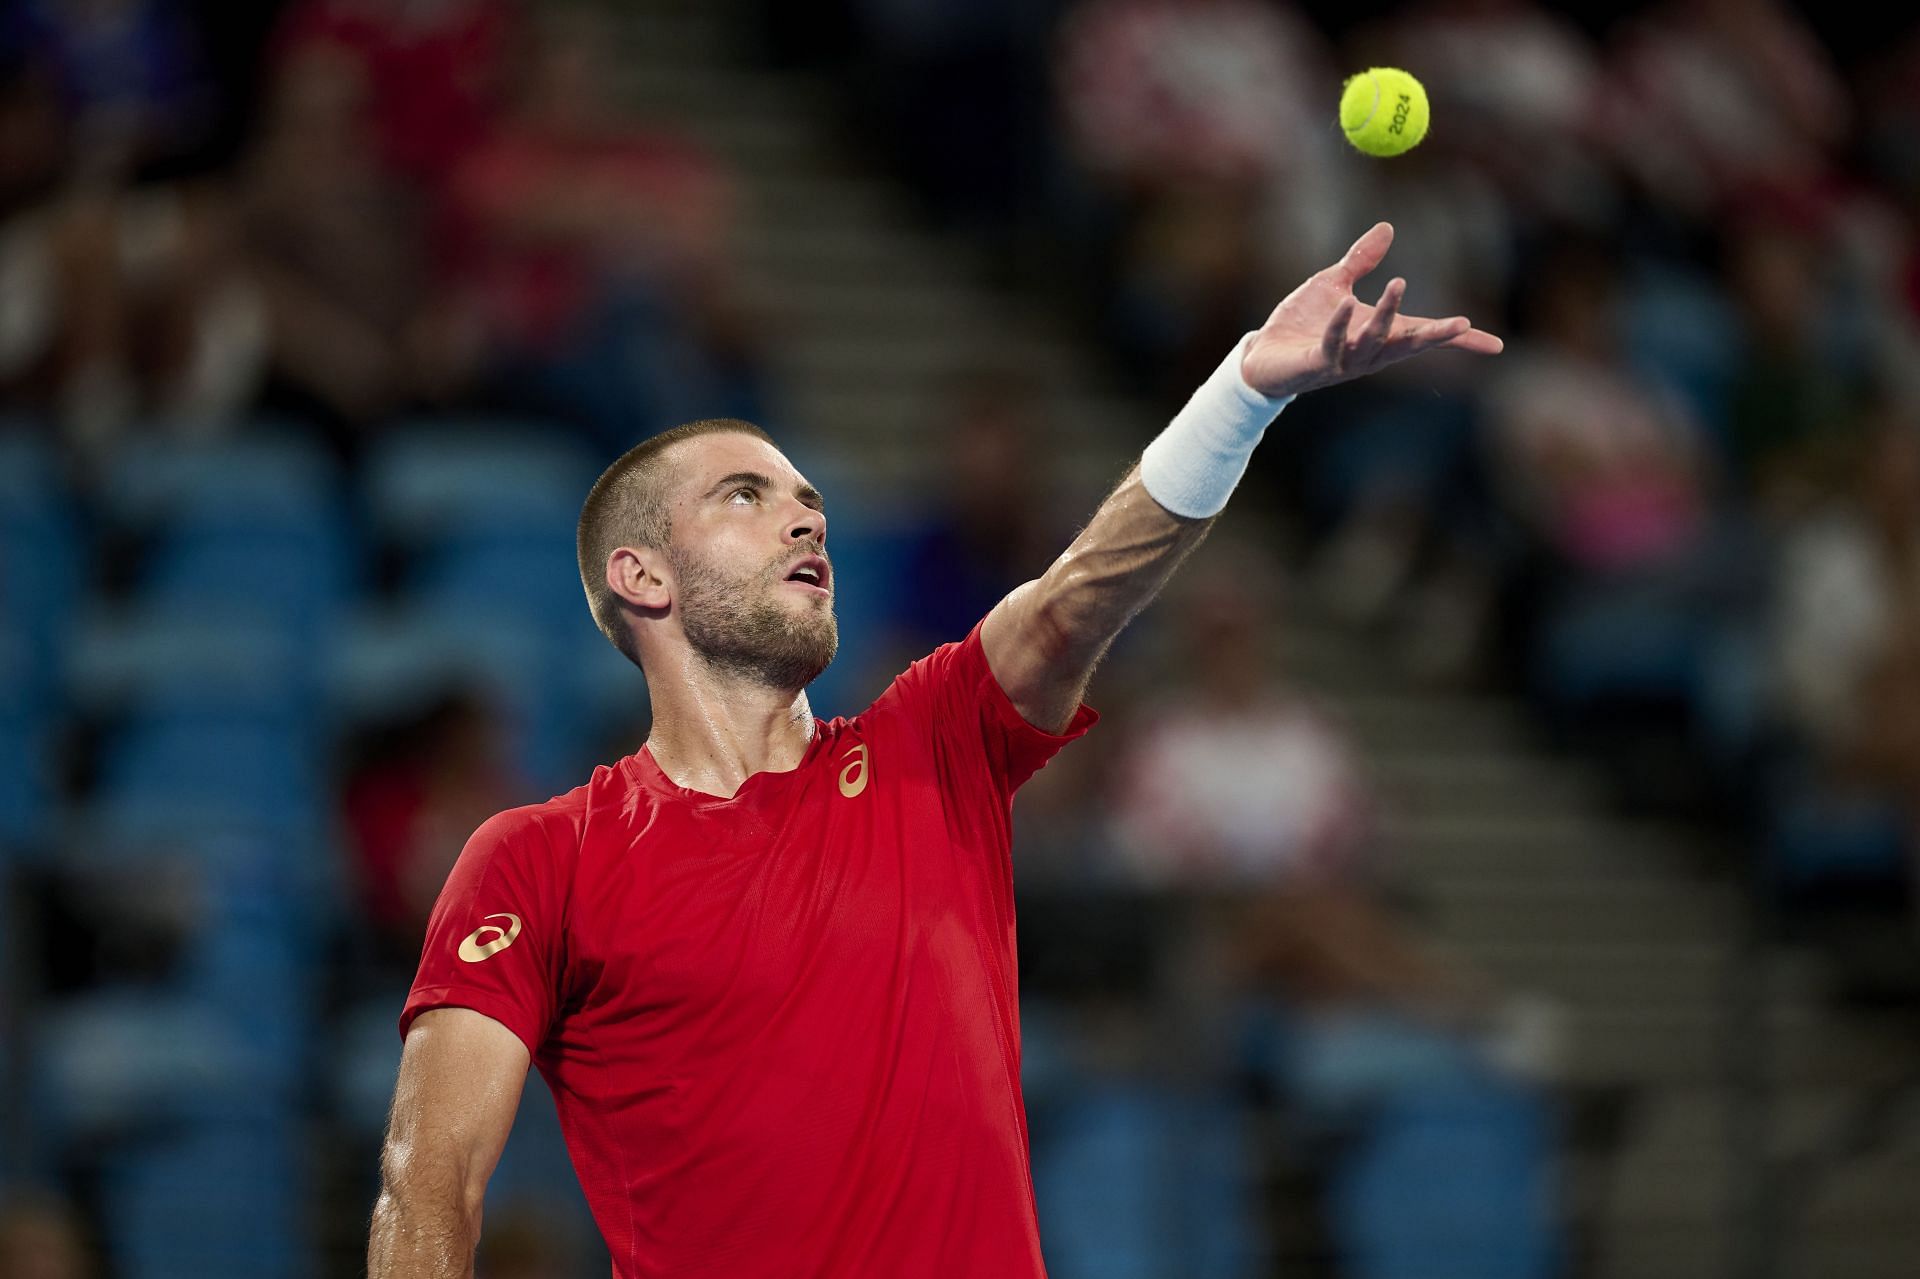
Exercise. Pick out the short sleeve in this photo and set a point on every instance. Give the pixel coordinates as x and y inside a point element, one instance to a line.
<point>495,939</point>
<point>954,693</point>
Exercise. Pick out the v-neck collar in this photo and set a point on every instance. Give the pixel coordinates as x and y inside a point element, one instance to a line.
<point>646,770</point>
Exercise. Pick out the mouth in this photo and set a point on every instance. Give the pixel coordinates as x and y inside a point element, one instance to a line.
<point>813,573</point>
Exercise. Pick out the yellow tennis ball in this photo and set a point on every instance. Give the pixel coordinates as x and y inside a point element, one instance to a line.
<point>1384,111</point>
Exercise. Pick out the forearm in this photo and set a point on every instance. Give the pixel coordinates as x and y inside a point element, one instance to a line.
<point>1113,570</point>
<point>1044,639</point>
<point>422,1232</point>
<point>1160,511</point>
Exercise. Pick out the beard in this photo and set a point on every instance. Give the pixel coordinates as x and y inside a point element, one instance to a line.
<point>736,625</point>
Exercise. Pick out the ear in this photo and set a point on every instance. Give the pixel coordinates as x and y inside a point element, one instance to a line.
<point>640,576</point>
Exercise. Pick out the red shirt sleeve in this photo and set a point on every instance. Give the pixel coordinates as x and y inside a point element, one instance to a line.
<point>496,941</point>
<point>953,692</point>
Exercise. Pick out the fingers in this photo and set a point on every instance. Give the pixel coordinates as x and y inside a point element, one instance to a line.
<point>1380,327</point>
<point>1416,334</point>
<point>1333,343</point>
<point>1458,334</point>
<point>1365,253</point>
<point>1478,341</point>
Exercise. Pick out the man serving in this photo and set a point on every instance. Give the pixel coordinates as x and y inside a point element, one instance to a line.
<point>766,964</point>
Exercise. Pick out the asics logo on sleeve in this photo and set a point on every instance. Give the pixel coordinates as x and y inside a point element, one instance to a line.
<point>853,778</point>
<point>479,946</point>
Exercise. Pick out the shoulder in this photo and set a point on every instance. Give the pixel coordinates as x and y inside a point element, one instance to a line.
<point>956,660</point>
<point>550,831</point>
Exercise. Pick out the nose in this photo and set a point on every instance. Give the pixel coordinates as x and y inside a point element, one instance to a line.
<point>808,525</point>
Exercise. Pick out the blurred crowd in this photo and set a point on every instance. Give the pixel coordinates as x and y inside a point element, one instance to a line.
<point>317,319</point>
<point>317,322</point>
<point>1678,512</point>
<point>1676,516</point>
<point>382,208</point>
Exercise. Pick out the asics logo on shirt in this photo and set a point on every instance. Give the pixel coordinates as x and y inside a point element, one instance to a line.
<point>853,778</point>
<point>478,946</point>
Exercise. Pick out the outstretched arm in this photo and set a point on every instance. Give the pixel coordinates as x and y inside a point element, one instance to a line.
<point>1045,638</point>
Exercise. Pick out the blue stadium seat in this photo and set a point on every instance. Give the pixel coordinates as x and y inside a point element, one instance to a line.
<point>181,766</point>
<point>426,482</point>
<point>41,576</point>
<point>866,556</point>
<point>220,1199</point>
<point>254,522</point>
<point>363,1057</point>
<point>392,663</point>
<point>532,577</point>
<point>30,474</point>
<point>266,477</point>
<point>202,659</point>
<point>304,573</point>
<point>1334,1064</point>
<point>127,836</point>
<point>255,963</point>
<point>1139,1181</point>
<point>23,693</point>
<point>535,582</point>
<point>1454,1183</point>
<point>126,1061</point>
<point>27,786</point>
<point>386,662</point>
<point>602,706</point>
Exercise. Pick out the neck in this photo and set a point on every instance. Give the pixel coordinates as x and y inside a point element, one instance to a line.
<point>714,729</point>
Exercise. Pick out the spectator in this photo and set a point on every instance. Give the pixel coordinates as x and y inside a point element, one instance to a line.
<point>588,250</point>
<point>1849,613</point>
<point>122,298</point>
<point>1608,473</point>
<point>1201,125</point>
<point>598,250</point>
<point>412,794</point>
<point>434,72</point>
<point>130,78</point>
<point>338,245</point>
<point>1714,101</point>
<point>1244,789</point>
<point>1795,394</point>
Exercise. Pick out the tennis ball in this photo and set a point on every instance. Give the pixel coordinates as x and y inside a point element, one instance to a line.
<point>1384,111</point>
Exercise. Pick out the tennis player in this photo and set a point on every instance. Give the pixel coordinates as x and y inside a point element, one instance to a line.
<point>766,964</point>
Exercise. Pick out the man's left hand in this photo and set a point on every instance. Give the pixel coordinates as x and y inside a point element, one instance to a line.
<point>1321,334</point>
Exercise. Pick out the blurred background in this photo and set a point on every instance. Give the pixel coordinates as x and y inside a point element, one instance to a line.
<point>1498,857</point>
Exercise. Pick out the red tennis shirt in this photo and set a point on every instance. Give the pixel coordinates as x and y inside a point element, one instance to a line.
<point>782,1029</point>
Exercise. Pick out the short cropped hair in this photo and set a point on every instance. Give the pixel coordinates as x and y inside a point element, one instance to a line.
<point>631,505</point>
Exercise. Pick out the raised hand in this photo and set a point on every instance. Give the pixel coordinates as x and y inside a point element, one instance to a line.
<point>1321,334</point>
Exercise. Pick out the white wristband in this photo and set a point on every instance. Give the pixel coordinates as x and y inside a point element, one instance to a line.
<point>1191,468</point>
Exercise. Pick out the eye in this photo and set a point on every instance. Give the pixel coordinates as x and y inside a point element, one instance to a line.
<point>750,492</point>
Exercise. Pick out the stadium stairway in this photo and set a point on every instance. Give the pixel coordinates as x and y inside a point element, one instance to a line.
<point>1723,1050</point>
